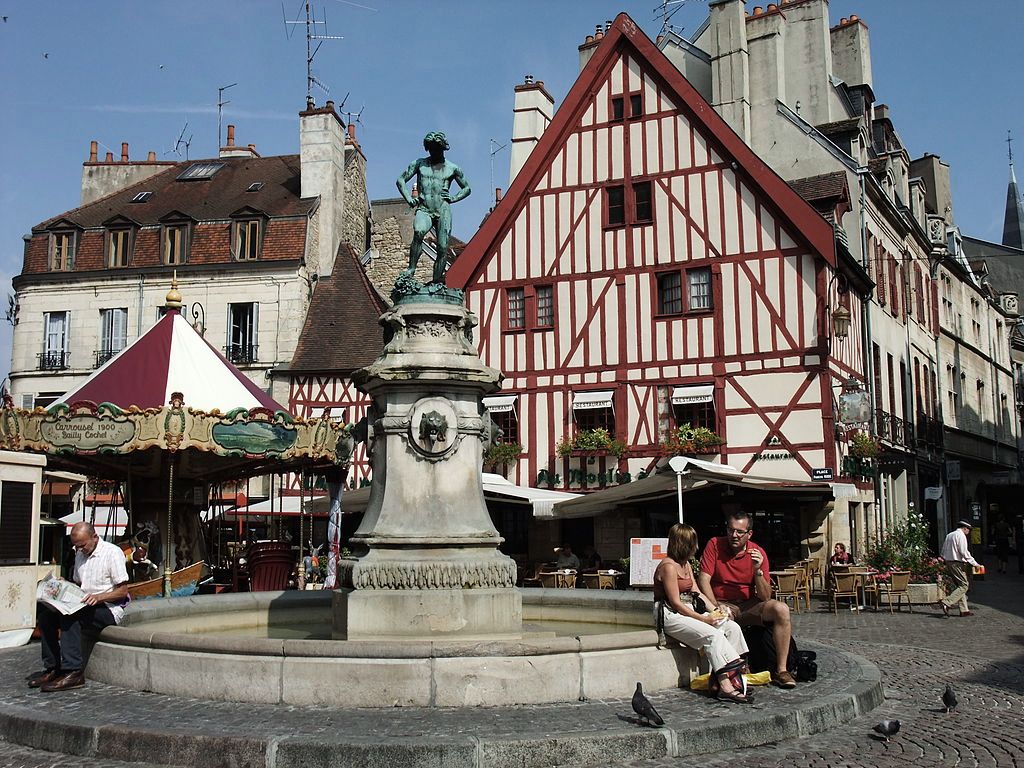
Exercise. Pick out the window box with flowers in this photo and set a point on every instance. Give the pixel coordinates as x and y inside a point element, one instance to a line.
<point>591,442</point>
<point>500,455</point>
<point>687,440</point>
<point>864,446</point>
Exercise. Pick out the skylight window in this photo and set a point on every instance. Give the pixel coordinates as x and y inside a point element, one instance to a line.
<point>142,197</point>
<point>256,186</point>
<point>200,171</point>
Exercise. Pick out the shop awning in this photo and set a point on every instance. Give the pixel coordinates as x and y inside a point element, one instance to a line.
<point>697,393</point>
<point>282,505</point>
<point>695,474</point>
<point>500,403</point>
<point>598,399</point>
<point>496,488</point>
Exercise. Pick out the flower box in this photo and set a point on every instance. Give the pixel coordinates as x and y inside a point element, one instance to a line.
<point>922,593</point>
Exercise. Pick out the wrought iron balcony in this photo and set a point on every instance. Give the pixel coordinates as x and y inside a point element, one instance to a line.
<point>242,354</point>
<point>102,355</point>
<point>53,361</point>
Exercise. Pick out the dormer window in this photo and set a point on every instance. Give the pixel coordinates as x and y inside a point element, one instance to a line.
<point>174,243</point>
<point>200,171</point>
<point>119,245</point>
<point>246,237</point>
<point>62,251</point>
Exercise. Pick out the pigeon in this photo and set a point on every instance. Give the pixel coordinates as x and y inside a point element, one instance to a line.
<point>643,707</point>
<point>949,698</point>
<point>887,728</point>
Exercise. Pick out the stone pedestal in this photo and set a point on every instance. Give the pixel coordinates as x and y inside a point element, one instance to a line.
<point>427,562</point>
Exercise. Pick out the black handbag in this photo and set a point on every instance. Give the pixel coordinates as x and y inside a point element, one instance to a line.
<point>695,601</point>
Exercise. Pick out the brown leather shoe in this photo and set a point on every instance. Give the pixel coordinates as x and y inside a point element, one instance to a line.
<point>65,683</point>
<point>42,678</point>
<point>784,679</point>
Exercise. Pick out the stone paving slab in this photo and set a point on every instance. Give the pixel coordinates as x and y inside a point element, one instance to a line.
<point>110,723</point>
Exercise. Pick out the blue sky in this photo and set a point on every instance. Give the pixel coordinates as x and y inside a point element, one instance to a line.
<point>128,71</point>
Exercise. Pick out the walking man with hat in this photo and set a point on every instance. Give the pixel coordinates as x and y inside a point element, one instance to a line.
<point>961,568</point>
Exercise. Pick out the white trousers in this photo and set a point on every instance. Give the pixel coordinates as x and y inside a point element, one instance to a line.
<point>720,644</point>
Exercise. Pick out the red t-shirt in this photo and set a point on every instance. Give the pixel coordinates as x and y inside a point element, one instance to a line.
<point>732,576</point>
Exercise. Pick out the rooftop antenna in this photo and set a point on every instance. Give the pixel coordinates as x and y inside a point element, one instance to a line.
<point>665,10</point>
<point>220,111</point>
<point>495,149</point>
<point>181,141</point>
<point>312,33</point>
<point>1009,146</point>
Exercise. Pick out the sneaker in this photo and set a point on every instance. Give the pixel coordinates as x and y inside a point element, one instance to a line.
<point>784,679</point>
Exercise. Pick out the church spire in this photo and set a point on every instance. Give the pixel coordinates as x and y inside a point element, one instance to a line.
<point>1013,223</point>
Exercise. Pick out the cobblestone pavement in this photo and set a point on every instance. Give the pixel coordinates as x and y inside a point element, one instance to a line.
<point>981,656</point>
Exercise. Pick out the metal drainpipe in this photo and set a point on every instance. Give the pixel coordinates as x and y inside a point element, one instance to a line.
<point>141,305</point>
<point>941,520</point>
<point>869,368</point>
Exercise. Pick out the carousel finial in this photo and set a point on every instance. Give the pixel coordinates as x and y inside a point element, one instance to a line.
<point>173,300</point>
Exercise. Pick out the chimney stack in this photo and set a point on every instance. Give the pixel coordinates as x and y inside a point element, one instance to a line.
<point>109,158</point>
<point>93,150</point>
<point>232,150</point>
<point>151,157</point>
<point>851,51</point>
<point>231,135</point>
<point>532,112</point>
<point>124,151</point>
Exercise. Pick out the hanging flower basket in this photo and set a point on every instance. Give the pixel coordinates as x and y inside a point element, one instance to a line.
<point>864,446</point>
<point>686,440</point>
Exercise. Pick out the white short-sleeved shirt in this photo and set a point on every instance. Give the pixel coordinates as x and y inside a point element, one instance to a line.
<point>101,571</point>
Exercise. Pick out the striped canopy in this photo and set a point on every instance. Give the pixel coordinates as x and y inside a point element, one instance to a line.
<point>171,357</point>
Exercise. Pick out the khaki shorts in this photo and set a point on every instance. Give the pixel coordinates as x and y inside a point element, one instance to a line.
<point>749,612</point>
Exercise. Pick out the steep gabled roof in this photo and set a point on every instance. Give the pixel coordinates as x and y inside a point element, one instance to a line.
<point>625,37</point>
<point>215,198</point>
<point>341,332</point>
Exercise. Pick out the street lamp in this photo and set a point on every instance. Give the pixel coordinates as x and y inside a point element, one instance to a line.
<point>841,322</point>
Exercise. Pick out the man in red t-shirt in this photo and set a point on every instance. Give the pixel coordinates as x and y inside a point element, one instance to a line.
<point>733,569</point>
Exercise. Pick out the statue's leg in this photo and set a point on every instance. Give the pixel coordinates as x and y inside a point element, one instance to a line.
<point>444,229</point>
<point>420,227</point>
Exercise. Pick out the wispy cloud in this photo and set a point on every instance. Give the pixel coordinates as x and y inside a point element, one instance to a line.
<point>179,109</point>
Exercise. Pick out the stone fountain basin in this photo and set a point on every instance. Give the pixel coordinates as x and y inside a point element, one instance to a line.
<point>209,647</point>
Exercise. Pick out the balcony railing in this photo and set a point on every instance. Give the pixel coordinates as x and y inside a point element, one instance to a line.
<point>929,432</point>
<point>102,355</point>
<point>241,354</point>
<point>892,428</point>
<point>53,361</point>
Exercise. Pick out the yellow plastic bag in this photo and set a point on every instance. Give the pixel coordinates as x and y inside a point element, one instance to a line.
<point>700,683</point>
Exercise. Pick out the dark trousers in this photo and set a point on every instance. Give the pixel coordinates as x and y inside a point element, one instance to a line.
<point>64,650</point>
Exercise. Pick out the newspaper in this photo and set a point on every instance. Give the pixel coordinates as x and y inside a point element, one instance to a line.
<point>64,596</point>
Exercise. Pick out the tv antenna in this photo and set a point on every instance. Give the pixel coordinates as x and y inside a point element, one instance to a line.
<point>312,33</point>
<point>665,11</point>
<point>181,141</point>
<point>495,149</point>
<point>220,111</point>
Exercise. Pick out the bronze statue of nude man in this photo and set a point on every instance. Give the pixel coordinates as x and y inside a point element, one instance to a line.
<point>434,177</point>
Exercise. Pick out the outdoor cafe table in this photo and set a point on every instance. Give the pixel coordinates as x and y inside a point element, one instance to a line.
<point>603,579</point>
<point>564,579</point>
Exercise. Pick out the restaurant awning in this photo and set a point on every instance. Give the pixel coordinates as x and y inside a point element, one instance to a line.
<point>500,403</point>
<point>496,487</point>
<point>597,399</point>
<point>694,475</point>
<point>697,393</point>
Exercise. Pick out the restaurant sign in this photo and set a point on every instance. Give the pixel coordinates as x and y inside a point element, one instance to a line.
<point>87,433</point>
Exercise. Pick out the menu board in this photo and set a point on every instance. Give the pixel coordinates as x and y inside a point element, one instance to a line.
<point>644,556</point>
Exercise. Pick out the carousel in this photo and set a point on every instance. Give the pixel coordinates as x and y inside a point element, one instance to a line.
<point>167,419</point>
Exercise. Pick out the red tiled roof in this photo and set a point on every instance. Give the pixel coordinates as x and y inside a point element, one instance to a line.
<point>827,186</point>
<point>341,332</point>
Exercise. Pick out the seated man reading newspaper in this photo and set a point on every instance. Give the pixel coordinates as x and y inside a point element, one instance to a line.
<point>97,602</point>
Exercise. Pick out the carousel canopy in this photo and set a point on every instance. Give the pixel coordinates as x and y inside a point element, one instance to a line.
<point>171,357</point>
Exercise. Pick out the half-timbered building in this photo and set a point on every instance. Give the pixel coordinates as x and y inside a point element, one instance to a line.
<point>647,271</point>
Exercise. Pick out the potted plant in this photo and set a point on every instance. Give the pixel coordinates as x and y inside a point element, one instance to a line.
<point>904,547</point>
<point>687,440</point>
<point>502,454</point>
<point>863,445</point>
<point>591,442</point>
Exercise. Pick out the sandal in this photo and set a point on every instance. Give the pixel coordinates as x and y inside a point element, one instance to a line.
<point>734,696</point>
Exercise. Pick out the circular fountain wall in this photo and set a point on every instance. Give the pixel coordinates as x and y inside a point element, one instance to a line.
<point>254,647</point>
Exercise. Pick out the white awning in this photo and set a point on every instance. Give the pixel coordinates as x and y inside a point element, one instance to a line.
<point>284,505</point>
<point>845,490</point>
<point>698,393</point>
<point>496,488</point>
<point>500,403</point>
<point>600,399</point>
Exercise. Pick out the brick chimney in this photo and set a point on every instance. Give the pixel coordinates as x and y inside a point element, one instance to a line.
<point>230,149</point>
<point>322,157</point>
<point>533,110</point>
<point>103,177</point>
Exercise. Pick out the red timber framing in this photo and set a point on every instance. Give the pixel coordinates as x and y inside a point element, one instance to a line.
<point>310,394</point>
<point>745,321</point>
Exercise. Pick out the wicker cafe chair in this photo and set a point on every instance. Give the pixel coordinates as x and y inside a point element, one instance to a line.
<point>814,572</point>
<point>897,587</point>
<point>786,587</point>
<point>803,585</point>
<point>843,585</point>
<point>867,584</point>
